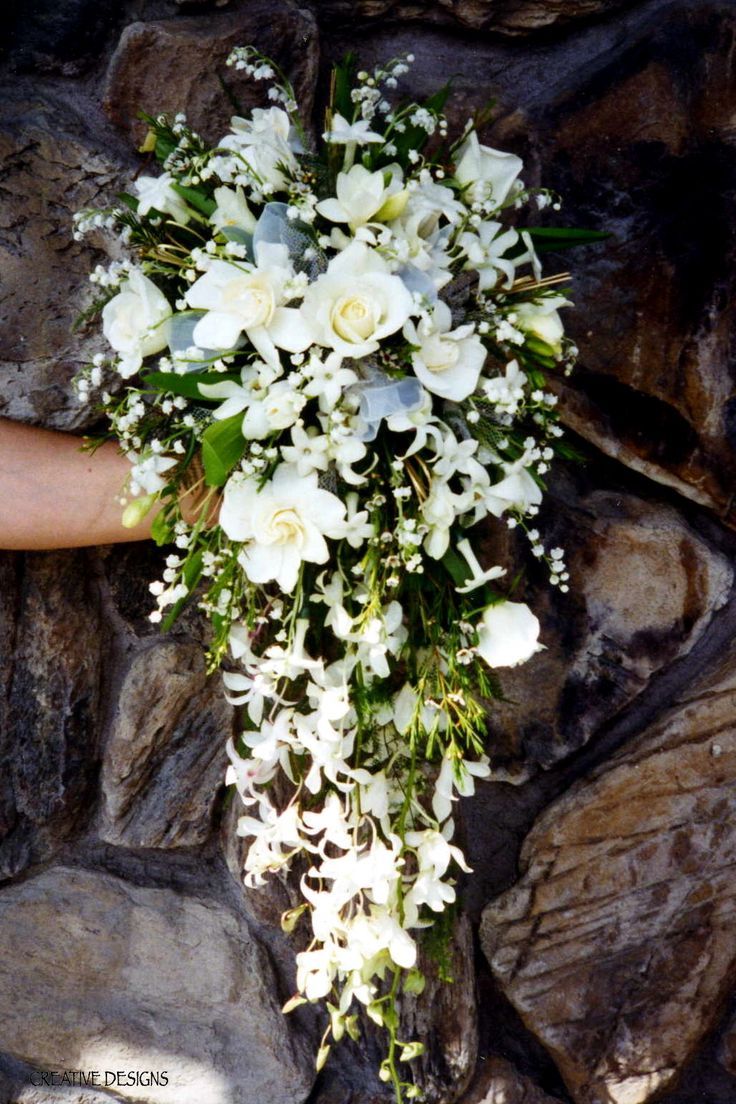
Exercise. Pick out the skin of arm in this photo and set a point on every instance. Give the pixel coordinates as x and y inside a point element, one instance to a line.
<point>52,495</point>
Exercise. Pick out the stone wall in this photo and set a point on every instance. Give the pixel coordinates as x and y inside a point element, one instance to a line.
<point>594,962</point>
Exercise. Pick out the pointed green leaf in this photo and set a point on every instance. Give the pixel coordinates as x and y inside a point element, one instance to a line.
<point>223,445</point>
<point>187,385</point>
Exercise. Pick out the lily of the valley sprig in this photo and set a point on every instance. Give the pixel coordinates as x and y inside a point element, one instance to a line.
<point>340,353</point>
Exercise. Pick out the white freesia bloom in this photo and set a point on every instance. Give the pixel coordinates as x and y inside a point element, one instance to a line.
<point>508,634</point>
<point>243,298</point>
<point>232,210</point>
<point>487,173</point>
<point>157,193</point>
<point>356,302</point>
<point>541,319</point>
<point>363,196</point>
<point>448,362</point>
<point>283,524</point>
<point>341,132</point>
<point>134,321</point>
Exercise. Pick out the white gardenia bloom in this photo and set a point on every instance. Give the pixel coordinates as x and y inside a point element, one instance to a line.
<point>541,319</point>
<point>356,302</point>
<point>243,298</point>
<point>363,196</point>
<point>488,173</point>
<point>157,193</point>
<point>134,321</point>
<point>284,524</point>
<point>448,362</point>
<point>508,634</point>
<point>486,251</point>
<point>341,132</point>
<point>232,210</point>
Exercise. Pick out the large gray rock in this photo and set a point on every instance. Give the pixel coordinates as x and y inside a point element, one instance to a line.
<point>164,763</point>
<point>57,158</point>
<point>50,630</point>
<point>644,588</point>
<point>512,17</point>
<point>499,1082</point>
<point>174,65</point>
<point>100,974</point>
<point>616,944</point>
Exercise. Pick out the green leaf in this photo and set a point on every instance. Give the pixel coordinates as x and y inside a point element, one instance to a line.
<point>129,200</point>
<point>192,574</point>
<point>187,385</point>
<point>547,238</point>
<point>162,530</point>
<point>344,75</point>
<point>455,566</point>
<point>223,445</point>
<point>196,199</point>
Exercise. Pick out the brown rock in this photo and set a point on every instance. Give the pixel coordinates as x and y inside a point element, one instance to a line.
<point>164,762</point>
<point>499,1082</point>
<point>644,587</point>
<point>616,944</point>
<point>174,65</point>
<point>727,1048</point>
<point>48,713</point>
<point>56,160</point>
<point>643,147</point>
<point>445,1018</point>
<point>512,17</point>
<point>101,974</point>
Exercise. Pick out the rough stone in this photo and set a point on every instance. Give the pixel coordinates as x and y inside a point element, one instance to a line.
<point>49,732</point>
<point>727,1048</point>
<point>616,944</point>
<point>644,589</point>
<point>445,1018</point>
<point>499,1082</point>
<point>64,38</point>
<point>174,65</point>
<point>54,161</point>
<point>642,146</point>
<point>164,762</point>
<point>512,17</point>
<point>98,973</point>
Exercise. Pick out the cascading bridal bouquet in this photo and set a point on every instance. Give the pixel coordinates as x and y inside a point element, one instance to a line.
<point>334,371</point>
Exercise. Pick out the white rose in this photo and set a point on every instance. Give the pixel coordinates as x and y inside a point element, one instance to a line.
<point>242,298</point>
<point>133,321</point>
<point>448,362</point>
<point>541,320</point>
<point>284,523</point>
<point>487,172</point>
<point>363,196</point>
<point>356,303</point>
<point>508,634</point>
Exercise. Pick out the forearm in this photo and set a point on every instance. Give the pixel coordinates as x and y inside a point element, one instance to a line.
<point>52,495</point>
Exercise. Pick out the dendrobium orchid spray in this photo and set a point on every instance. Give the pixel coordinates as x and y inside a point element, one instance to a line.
<point>341,350</point>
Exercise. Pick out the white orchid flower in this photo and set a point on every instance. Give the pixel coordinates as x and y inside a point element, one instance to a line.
<point>508,634</point>
<point>307,451</point>
<point>284,524</point>
<point>243,298</point>
<point>486,251</point>
<point>456,778</point>
<point>518,490</point>
<point>341,132</point>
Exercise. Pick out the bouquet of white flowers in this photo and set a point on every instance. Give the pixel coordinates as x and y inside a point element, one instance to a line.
<point>332,347</point>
